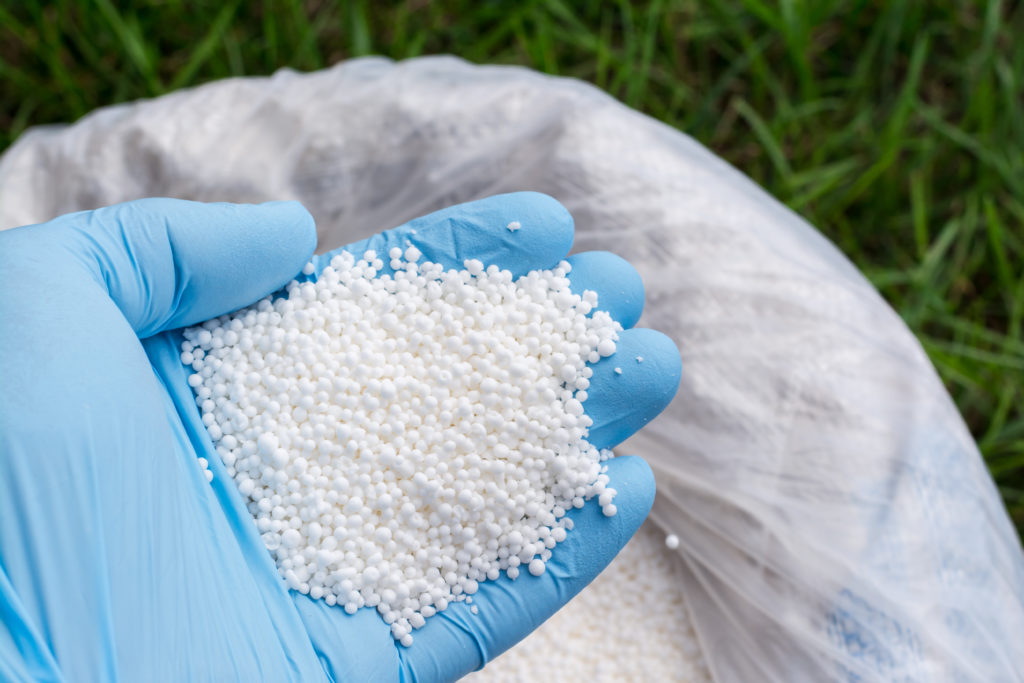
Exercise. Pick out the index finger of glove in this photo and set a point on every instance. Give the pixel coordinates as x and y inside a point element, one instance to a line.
<point>519,232</point>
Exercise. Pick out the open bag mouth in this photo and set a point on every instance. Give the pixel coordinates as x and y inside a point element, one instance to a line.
<point>834,518</point>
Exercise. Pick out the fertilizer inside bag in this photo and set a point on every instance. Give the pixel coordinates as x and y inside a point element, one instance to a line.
<point>836,522</point>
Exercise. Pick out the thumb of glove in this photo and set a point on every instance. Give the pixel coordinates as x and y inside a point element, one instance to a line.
<point>167,263</point>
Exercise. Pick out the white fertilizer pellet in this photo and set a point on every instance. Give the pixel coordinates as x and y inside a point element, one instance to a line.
<point>401,437</point>
<point>671,541</point>
<point>650,633</point>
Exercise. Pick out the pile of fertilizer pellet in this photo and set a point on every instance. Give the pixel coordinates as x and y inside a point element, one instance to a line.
<point>650,633</point>
<point>404,432</point>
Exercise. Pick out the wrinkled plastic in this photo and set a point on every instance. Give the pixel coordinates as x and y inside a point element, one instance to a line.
<point>835,518</point>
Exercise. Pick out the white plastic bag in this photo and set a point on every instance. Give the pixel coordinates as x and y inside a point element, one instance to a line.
<point>836,520</point>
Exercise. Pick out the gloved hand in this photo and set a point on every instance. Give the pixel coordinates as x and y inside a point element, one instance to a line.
<point>118,561</point>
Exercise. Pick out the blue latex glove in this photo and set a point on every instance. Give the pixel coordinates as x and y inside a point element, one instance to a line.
<point>118,561</point>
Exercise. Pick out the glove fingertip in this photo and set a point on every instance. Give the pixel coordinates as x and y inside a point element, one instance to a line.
<point>233,254</point>
<point>632,478</point>
<point>558,226</point>
<point>618,284</point>
<point>632,386</point>
<point>297,231</point>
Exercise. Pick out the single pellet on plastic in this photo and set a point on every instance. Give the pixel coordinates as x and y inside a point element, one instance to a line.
<point>402,436</point>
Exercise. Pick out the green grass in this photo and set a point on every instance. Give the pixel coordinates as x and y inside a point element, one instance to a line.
<point>894,127</point>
